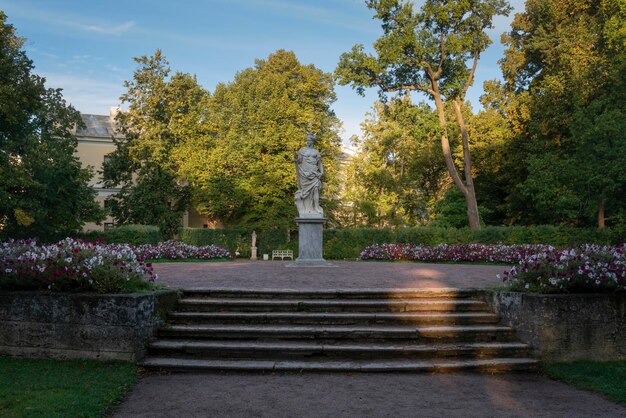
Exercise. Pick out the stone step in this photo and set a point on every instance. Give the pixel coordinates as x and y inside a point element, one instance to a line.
<point>209,304</point>
<point>476,333</point>
<point>495,365</point>
<point>299,349</point>
<point>345,318</point>
<point>372,293</point>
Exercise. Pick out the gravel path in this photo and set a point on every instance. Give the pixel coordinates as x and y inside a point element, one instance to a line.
<point>361,395</point>
<point>344,275</point>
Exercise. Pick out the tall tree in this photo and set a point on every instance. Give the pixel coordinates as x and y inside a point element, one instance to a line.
<point>242,171</point>
<point>44,191</point>
<point>397,174</point>
<point>566,64</point>
<point>163,111</point>
<point>428,51</point>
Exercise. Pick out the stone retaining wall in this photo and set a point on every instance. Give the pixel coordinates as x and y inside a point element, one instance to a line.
<point>85,325</point>
<point>566,327</point>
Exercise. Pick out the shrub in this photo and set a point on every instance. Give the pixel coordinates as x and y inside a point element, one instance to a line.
<point>231,239</point>
<point>348,243</point>
<point>73,265</point>
<point>238,241</point>
<point>588,268</point>
<point>177,250</point>
<point>125,234</point>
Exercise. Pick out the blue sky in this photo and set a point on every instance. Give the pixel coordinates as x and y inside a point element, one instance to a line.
<point>86,46</point>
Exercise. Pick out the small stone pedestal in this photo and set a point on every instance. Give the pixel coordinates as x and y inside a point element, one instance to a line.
<point>310,237</point>
<point>253,256</point>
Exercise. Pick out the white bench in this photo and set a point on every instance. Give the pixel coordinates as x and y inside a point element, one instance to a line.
<point>282,254</point>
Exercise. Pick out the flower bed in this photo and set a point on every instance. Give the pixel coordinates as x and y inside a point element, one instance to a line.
<point>586,269</point>
<point>73,265</point>
<point>589,268</point>
<point>178,250</point>
<point>495,253</point>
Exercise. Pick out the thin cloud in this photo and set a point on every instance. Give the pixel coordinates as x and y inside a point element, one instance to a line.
<point>311,13</point>
<point>116,30</point>
<point>86,94</point>
<point>69,21</point>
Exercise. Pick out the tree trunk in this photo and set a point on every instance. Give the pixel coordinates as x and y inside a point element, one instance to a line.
<point>601,215</point>
<point>445,143</point>
<point>472,206</point>
<point>467,187</point>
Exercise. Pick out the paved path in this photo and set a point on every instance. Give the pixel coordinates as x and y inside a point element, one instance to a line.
<point>361,395</point>
<point>347,394</point>
<point>345,275</point>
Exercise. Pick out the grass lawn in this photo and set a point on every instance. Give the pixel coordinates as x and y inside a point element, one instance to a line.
<point>55,388</point>
<point>606,377</point>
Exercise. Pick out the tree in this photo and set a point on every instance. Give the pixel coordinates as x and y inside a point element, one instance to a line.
<point>397,174</point>
<point>44,191</point>
<point>566,64</point>
<point>162,113</point>
<point>242,171</point>
<point>428,52</point>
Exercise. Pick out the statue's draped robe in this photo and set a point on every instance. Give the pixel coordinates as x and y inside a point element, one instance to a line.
<point>309,181</point>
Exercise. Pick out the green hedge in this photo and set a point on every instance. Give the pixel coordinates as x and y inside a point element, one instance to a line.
<point>348,243</point>
<point>239,240</point>
<point>126,234</point>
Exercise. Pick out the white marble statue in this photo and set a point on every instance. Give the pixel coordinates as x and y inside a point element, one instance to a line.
<point>309,171</point>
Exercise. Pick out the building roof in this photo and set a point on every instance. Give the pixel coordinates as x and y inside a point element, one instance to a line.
<point>98,126</point>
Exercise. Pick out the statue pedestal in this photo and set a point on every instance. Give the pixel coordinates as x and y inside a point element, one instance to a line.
<point>310,237</point>
<point>253,255</point>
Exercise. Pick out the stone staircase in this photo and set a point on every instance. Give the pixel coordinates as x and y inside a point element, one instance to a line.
<point>347,330</point>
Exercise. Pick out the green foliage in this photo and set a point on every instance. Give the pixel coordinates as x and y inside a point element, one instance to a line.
<point>238,240</point>
<point>161,113</point>
<point>44,191</point>
<point>347,243</point>
<point>435,51</point>
<point>410,52</point>
<point>243,173</point>
<point>398,172</point>
<point>451,211</point>
<point>231,239</point>
<point>54,388</point>
<point>125,234</point>
<point>605,377</point>
<point>228,155</point>
<point>564,67</point>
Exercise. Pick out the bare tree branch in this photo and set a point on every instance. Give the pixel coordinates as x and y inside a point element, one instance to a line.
<point>442,58</point>
<point>470,78</point>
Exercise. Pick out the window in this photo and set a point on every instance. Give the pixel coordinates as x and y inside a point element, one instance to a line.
<point>108,225</point>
